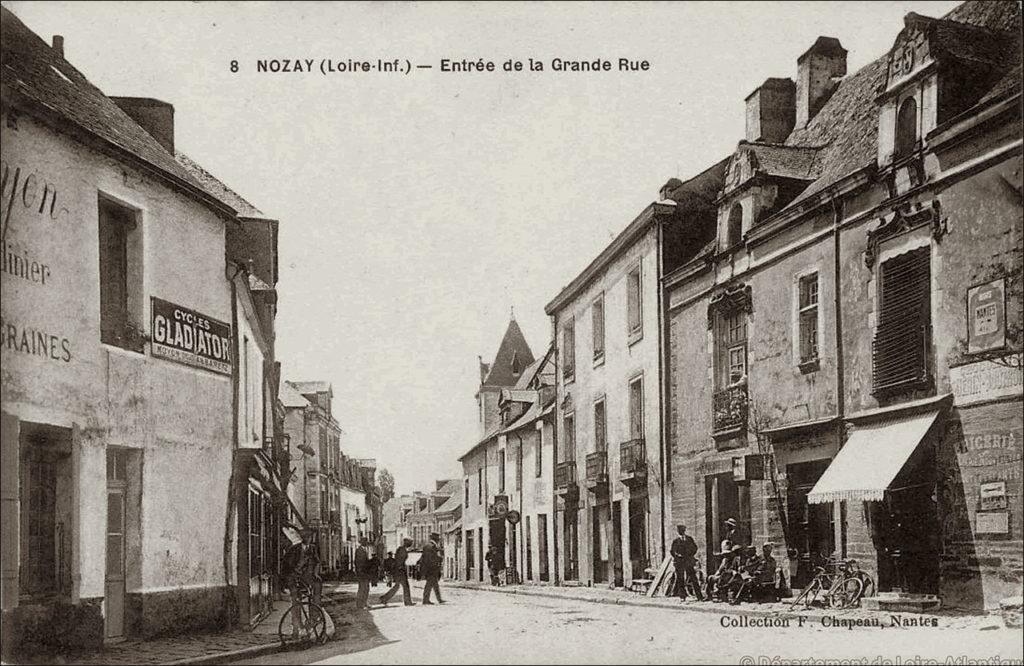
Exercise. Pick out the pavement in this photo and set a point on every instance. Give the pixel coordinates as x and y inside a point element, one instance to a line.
<point>554,627</point>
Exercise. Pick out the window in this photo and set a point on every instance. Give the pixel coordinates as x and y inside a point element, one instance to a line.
<point>569,350</point>
<point>519,466</point>
<point>597,317</point>
<point>734,230</point>
<point>480,485</point>
<point>808,318</point>
<point>117,249</point>
<point>569,450</point>
<point>466,488</point>
<point>902,342</point>
<point>542,546</point>
<point>39,522</point>
<point>906,128</point>
<point>501,471</point>
<point>731,343</point>
<point>538,462</point>
<point>634,314</point>
<point>636,408</point>
<point>256,533</point>
<point>600,427</point>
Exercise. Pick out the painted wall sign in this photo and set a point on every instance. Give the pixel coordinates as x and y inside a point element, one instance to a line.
<point>992,495</point>
<point>986,316</point>
<point>996,522</point>
<point>984,380</point>
<point>188,337</point>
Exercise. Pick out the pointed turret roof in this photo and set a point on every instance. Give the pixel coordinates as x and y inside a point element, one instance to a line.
<point>513,358</point>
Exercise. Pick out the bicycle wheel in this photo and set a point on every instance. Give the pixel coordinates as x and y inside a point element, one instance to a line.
<point>302,622</point>
<point>810,593</point>
<point>846,592</point>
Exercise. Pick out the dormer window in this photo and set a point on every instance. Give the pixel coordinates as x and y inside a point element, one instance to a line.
<point>906,128</point>
<point>734,229</point>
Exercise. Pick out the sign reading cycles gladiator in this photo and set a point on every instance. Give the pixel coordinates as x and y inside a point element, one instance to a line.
<point>191,338</point>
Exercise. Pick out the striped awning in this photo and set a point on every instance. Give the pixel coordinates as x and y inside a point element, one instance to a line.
<point>869,462</point>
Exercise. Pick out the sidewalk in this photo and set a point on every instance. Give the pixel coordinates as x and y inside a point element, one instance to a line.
<point>207,648</point>
<point>783,609</point>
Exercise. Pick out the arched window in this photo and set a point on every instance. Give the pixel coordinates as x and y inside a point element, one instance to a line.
<point>906,128</point>
<point>735,228</point>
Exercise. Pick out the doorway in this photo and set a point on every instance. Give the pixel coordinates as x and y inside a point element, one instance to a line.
<point>812,525</point>
<point>638,560</point>
<point>617,573</point>
<point>724,499</point>
<point>599,544</point>
<point>905,530</point>
<point>115,579</point>
<point>571,546</point>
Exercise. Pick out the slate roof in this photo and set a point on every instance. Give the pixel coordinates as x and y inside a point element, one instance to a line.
<point>450,504</point>
<point>848,123</point>
<point>213,185</point>
<point>513,346</point>
<point>33,71</point>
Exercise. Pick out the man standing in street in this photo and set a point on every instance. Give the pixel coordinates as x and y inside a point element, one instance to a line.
<point>401,575</point>
<point>301,567</point>
<point>683,551</point>
<point>362,565</point>
<point>430,565</point>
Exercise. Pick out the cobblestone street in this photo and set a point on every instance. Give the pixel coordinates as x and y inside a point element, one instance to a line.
<point>478,626</point>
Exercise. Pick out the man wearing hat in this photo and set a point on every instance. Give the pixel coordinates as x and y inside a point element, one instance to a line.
<point>362,564</point>
<point>430,565</point>
<point>683,551</point>
<point>301,566</point>
<point>717,585</point>
<point>732,532</point>
<point>401,575</point>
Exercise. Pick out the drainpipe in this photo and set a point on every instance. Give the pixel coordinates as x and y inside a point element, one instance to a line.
<point>231,607</point>
<point>557,579</point>
<point>663,463</point>
<point>840,365</point>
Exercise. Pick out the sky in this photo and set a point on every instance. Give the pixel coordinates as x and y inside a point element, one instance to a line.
<point>417,210</point>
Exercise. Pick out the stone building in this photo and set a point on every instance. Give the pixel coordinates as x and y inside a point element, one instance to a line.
<point>423,520</point>
<point>122,275</point>
<point>394,515</point>
<point>609,329</point>
<point>844,356</point>
<point>485,500</point>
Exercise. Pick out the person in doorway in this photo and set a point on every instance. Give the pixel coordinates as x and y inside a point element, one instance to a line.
<point>732,532</point>
<point>301,567</point>
<point>430,565</point>
<point>495,564</point>
<point>362,570</point>
<point>684,552</point>
<point>401,575</point>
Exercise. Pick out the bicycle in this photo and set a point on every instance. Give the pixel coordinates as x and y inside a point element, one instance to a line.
<point>840,584</point>
<point>312,620</point>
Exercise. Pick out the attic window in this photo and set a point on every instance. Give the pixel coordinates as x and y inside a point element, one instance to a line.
<point>515,364</point>
<point>906,128</point>
<point>734,231</point>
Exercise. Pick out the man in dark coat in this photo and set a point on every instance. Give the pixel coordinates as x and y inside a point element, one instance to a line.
<point>401,575</point>
<point>389,568</point>
<point>684,552</point>
<point>430,566</point>
<point>362,566</point>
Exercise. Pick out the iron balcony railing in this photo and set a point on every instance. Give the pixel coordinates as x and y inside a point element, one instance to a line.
<point>633,457</point>
<point>597,467</point>
<point>729,409</point>
<point>565,474</point>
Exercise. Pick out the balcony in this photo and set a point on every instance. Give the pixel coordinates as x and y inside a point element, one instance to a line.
<point>597,471</point>
<point>633,463</point>
<point>565,479</point>
<point>729,410</point>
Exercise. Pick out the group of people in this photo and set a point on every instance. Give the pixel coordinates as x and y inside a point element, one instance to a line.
<point>742,573</point>
<point>301,569</point>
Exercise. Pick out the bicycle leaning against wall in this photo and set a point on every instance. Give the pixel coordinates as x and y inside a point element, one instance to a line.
<point>838,584</point>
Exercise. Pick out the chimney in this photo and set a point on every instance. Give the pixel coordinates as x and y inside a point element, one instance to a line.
<point>817,70</point>
<point>58,45</point>
<point>668,188</point>
<point>771,111</point>
<point>152,115</point>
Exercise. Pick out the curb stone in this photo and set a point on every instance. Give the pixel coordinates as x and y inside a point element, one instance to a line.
<point>231,655</point>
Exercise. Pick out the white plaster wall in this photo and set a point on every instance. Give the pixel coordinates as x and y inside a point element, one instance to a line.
<point>178,416</point>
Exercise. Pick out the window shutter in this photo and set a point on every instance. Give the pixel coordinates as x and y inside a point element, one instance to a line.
<point>900,347</point>
<point>10,443</point>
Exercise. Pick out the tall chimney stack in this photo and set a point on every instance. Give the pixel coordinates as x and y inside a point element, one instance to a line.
<point>771,111</point>
<point>817,72</point>
<point>58,45</point>
<point>152,115</point>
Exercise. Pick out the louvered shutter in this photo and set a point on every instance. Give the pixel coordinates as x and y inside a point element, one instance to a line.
<point>901,345</point>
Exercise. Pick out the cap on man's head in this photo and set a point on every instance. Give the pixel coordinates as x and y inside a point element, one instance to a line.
<point>680,527</point>
<point>435,535</point>
<point>731,521</point>
<point>768,545</point>
<point>406,541</point>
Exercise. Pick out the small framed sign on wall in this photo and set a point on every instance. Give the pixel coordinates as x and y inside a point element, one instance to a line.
<point>986,316</point>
